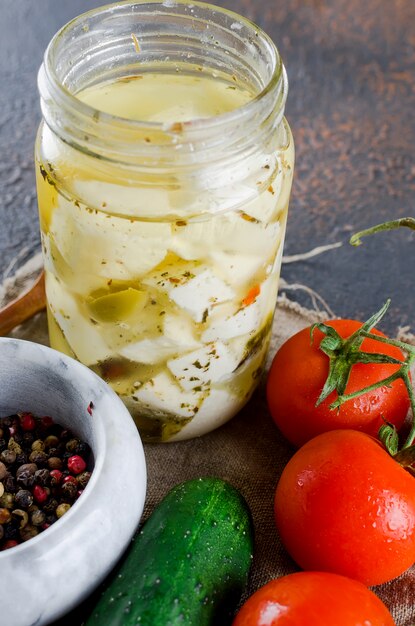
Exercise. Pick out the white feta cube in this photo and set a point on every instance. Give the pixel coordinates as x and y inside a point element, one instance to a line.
<point>162,393</point>
<point>201,293</point>
<point>181,330</point>
<point>245,321</point>
<point>236,269</point>
<point>208,364</point>
<point>150,351</point>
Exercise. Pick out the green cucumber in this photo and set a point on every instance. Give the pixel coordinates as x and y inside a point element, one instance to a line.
<point>189,564</point>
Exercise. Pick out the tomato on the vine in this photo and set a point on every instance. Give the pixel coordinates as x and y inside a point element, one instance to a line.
<point>313,599</point>
<point>344,505</point>
<point>298,374</point>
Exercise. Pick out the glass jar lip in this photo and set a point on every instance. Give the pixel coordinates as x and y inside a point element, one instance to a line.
<point>69,99</point>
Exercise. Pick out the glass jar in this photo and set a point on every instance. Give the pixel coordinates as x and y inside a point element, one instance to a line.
<point>164,167</point>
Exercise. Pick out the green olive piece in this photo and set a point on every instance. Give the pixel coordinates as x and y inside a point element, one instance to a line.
<point>118,306</point>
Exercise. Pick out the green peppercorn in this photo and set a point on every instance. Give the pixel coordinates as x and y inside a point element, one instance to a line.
<point>8,457</point>
<point>20,516</point>
<point>72,444</point>
<point>54,462</point>
<point>14,446</point>
<point>7,500</point>
<point>5,516</point>
<point>23,499</point>
<point>37,518</point>
<point>28,532</point>
<point>38,445</point>
<point>51,442</point>
<point>62,509</point>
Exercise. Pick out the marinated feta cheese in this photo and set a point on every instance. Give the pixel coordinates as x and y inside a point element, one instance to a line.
<point>210,291</point>
<point>215,410</point>
<point>82,335</point>
<point>206,365</point>
<point>162,393</point>
<point>164,280</point>
<point>153,350</point>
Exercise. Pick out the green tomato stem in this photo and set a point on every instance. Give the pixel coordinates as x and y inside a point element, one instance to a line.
<point>408,222</point>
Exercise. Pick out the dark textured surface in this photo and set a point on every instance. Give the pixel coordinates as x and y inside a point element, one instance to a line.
<point>352,109</point>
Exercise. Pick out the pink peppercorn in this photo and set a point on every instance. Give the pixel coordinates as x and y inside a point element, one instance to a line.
<point>69,479</point>
<point>27,422</point>
<point>11,543</point>
<point>40,494</point>
<point>76,464</point>
<point>46,422</point>
<point>56,475</point>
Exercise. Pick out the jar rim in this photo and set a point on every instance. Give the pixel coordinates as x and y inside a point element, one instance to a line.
<point>211,121</point>
<point>271,96</point>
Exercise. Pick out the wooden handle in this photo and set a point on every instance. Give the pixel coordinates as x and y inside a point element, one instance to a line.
<point>24,307</point>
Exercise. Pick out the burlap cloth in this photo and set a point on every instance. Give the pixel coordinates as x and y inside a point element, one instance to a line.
<point>248,452</point>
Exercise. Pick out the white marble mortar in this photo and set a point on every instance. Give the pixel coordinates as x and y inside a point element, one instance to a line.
<point>45,577</point>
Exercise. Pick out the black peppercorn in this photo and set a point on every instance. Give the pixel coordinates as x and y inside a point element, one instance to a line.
<point>3,444</point>
<point>28,439</point>
<point>8,457</point>
<point>9,483</point>
<point>38,457</point>
<point>26,479</point>
<point>83,449</point>
<point>11,530</point>
<point>37,518</point>
<point>26,467</point>
<point>50,506</point>
<point>83,479</point>
<point>22,458</point>
<point>42,476</point>
<point>28,532</point>
<point>65,435</point>
<point>54,462</point>
<point>23,499</point>
<point>69,491</point>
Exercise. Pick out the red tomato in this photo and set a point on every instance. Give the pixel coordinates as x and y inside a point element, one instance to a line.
<point>344,505</point>
<point>313,599</point>
<point>297,376</point>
